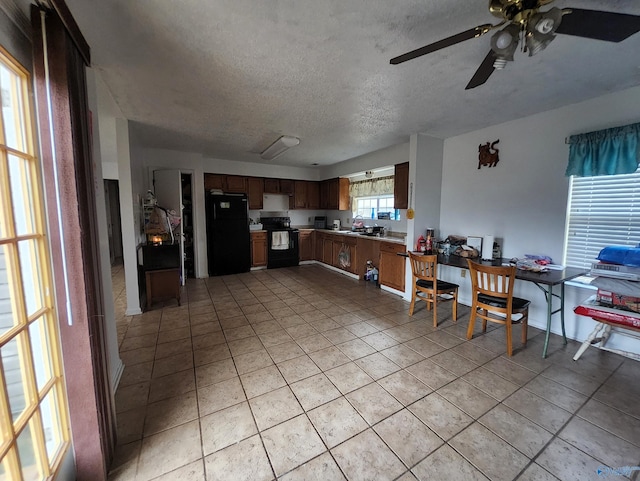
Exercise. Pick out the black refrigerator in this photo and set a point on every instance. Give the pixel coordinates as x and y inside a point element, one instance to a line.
<point>228,238</point>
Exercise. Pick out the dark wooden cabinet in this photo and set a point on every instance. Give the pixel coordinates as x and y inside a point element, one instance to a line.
<point>401,186</point>
<point>368,250</point>
<point>258,249</point>
<point>392,266</point>
<point>214,181</point>
<point>287,186</point>
<point>306,246</point>
<point>313,195</point>
<point>236,184</point>
<point>255,189</point>
<point>271,186</point>
<point>334,194</point>
<point>300,195</point>
<point>327,250</point>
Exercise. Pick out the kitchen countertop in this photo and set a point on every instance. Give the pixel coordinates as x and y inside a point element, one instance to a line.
<point>395,240</point>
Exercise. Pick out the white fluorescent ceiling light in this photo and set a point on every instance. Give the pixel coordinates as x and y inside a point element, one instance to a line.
<point>279,147</point>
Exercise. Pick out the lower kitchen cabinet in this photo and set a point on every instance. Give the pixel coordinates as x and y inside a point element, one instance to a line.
<point>327,250</point>
<point>258,249</point>
<point>392,266</point>
<point>306,247</point>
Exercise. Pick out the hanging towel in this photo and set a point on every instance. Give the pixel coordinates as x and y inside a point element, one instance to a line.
<point>280,240</point>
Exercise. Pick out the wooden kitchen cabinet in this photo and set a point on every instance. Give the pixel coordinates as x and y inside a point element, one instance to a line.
<point>236,184</point>
<point>334,194</point>
<point>368,250</point>
<point>255,189</point>
<point>271,186</point>
<point>300,195</point>
<point>392,266</point>
<point>401,186</point>
<point>214,181</point>
<point>313,195</point>
<point>349,243</point>
<point>327,250</point>
<point>306,245</point>
<point>287,186</point>
<point>258,249</point>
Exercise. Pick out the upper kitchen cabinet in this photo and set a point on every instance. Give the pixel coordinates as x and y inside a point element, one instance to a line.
<point>214,181</point>
<point>226,183</point>
<point>334,194</point>
<point>401,186</point>
<point>287,187</point>
<point>300,195</point>
<point>313,195</point>
<point>236,184</point>
<point>255,189</point>
<point>271,186</point>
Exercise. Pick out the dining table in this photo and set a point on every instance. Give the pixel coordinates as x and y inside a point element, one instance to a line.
<point>550,281</point>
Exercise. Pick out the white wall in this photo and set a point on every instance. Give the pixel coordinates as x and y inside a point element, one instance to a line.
<point>522,201</point>
<point>396,154</point>
<point>96,97</point>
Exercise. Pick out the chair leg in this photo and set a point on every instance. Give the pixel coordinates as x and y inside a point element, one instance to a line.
<point>484,320</point>
<point>455,305</point>
<point>509,327</point>
<point>525,324</point>
<point>434,297</point>
<point>472,321</point>
<point>413,303</point>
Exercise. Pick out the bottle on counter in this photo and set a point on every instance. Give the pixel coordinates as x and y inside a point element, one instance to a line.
<point>429,242</point>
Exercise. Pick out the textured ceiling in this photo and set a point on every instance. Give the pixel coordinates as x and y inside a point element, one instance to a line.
<point>227,77</point>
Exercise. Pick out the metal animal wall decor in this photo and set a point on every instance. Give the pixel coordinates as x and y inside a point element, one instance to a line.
<point>488,155</point>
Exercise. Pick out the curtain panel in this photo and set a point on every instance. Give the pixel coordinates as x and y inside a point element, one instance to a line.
<point>605,152</point>
<point>60,59</point>
<point>369,188</point>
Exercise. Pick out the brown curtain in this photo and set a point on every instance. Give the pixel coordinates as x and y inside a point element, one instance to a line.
<point>61,98</point>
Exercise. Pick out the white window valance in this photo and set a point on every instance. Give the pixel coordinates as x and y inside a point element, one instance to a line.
<point>370,187</point>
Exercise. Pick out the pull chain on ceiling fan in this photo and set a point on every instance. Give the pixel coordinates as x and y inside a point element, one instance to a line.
<point>533,30</point>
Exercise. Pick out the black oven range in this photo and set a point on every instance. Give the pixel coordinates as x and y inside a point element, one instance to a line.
<point>282,242</point>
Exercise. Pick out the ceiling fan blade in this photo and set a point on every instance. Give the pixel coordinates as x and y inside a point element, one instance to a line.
<point>607,26</point>
<point>446,42</point>
<point>484,71</point>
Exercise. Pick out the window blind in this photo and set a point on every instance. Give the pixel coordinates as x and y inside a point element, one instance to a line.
<point>602,211</point>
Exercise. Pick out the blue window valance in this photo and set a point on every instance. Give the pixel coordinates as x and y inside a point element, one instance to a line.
<point>605,152</point>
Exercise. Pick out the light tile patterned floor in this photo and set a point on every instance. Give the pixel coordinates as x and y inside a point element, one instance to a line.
<point>304,374</point>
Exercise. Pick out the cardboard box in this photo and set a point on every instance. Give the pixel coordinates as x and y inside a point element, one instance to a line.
<point>619,301</point>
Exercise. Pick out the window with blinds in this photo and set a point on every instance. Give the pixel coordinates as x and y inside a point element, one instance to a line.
<point>602,211</point>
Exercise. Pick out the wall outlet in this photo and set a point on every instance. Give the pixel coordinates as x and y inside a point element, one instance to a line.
<point>463,273</point>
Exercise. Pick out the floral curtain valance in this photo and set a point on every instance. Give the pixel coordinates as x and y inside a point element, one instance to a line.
<point>369,187</point>
<point>605,152</point>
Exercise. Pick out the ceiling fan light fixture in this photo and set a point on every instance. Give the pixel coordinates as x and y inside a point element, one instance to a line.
<point>279,147</point>
<point>504,44</point>
<point>540,30</point>
<point>545,22</point>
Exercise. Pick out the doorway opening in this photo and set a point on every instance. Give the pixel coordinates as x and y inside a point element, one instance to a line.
<point>112,203</point>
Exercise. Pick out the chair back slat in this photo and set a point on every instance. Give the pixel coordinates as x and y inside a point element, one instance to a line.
<point>424,267</point>
<point>495,281</point>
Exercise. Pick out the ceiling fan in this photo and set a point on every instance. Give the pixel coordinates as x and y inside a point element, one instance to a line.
<point>533,29</point>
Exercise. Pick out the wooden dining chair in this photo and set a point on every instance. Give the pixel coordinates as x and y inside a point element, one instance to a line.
<point>493,300</point>
<point>427,287</point>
